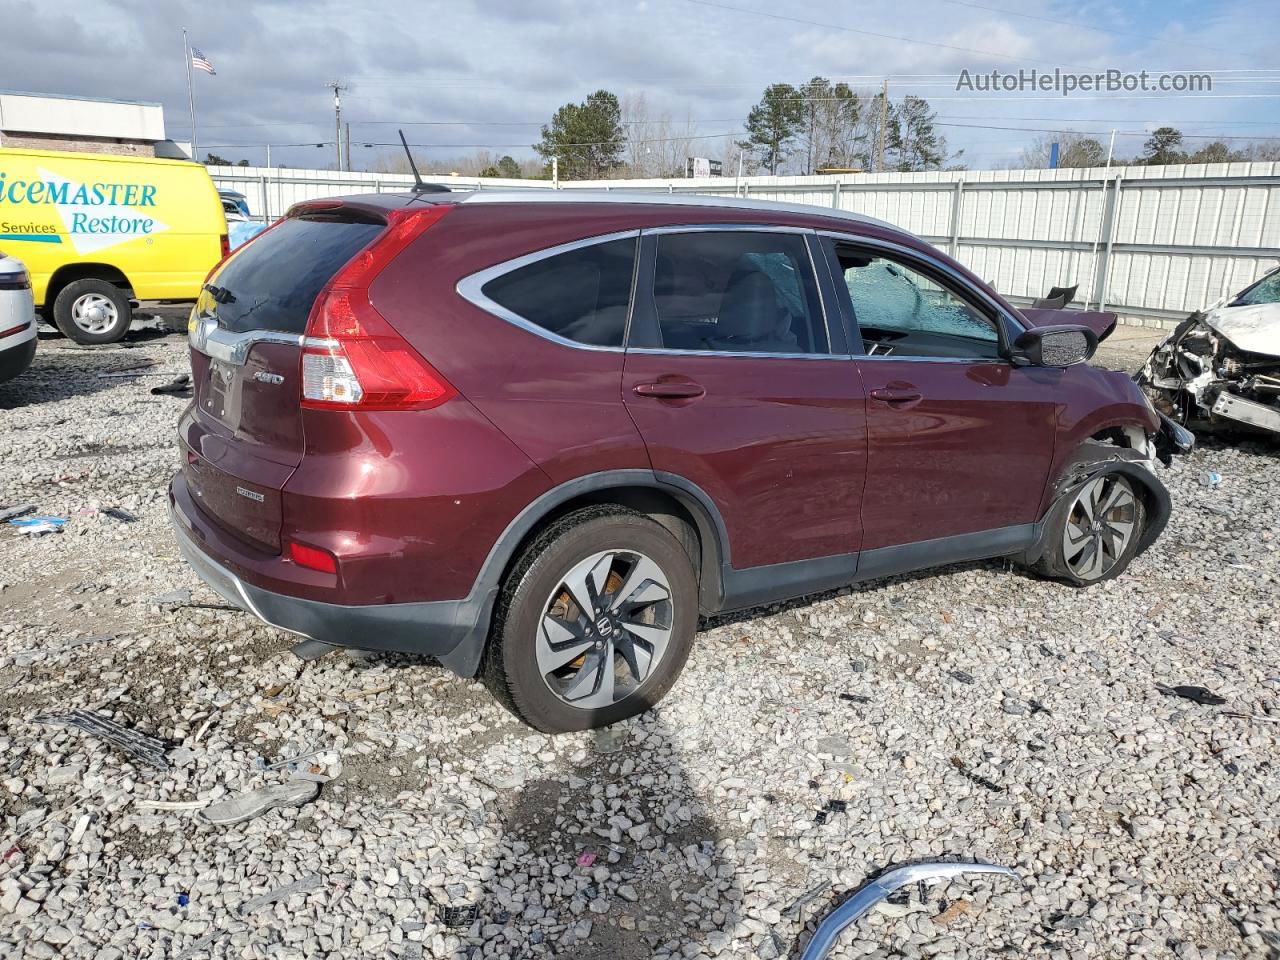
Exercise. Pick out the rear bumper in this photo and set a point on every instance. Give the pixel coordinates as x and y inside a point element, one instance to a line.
<point>452,631</point>
<point>16,357</point>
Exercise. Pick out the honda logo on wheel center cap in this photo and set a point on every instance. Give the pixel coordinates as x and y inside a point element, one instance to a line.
<point>604,626</point>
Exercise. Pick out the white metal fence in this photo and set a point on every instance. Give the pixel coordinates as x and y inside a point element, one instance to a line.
<point>1152,243</point>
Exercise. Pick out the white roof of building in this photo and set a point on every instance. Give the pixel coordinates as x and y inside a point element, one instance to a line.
<point>80,116</point>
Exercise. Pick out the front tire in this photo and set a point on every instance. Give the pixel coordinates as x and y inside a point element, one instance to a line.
<point>595,621</point>
<point>1095,534</point>
<point>92,312</point>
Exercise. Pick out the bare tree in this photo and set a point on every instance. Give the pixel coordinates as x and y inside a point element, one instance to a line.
<point>1074,150</point>
<point>656,145</point>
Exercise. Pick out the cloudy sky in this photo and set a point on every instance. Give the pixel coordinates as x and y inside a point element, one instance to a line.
<point>485,73</point>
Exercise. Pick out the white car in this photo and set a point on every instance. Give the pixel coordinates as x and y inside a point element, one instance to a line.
<point>17,318</point>
<point>1221,368</point>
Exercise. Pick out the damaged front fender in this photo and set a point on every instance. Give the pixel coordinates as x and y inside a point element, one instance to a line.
<point>1094,458</point>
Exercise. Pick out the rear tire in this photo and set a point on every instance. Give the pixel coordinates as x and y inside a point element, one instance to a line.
<point>1094,533</point>
<point>92,311</point>
<point>561,667</point>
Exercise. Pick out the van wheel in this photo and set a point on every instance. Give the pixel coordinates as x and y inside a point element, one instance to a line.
<point>92,311</point>
<point>595,621</point>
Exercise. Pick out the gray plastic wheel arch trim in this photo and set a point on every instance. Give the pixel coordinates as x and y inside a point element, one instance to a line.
<point>1080,471</point>
<point>857,906</point>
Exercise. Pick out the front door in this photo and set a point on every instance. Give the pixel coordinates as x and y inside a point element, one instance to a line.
<point>732,378</point>
<point>960,440</point>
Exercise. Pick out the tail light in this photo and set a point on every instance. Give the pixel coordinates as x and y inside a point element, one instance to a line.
<point>225,240</point>
<point>14,278</point>
<point>352,358</point>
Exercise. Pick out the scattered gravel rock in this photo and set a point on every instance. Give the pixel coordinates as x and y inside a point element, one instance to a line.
<point>1142,824</point>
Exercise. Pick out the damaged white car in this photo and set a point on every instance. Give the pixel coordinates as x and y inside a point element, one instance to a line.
<point>1221,368</point>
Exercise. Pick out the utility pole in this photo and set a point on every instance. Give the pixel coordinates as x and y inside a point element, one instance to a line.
<point>555,173</point>
<point>347,129</point>
<point>337,89</point>
<point>884,122</point>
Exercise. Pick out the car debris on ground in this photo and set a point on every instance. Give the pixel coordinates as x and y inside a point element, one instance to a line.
<point>150,750</point>
<point>37,524</point>
<point>858,905</point>
<point>1199,695</point>
<point>9,513</point>
<point>254,803</point>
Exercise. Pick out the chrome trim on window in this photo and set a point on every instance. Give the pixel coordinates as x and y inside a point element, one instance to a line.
<point>664,352</point>
<point>471,288</point>
<point>736,227</point>
<point>213,341</point>
<point>914,358</point>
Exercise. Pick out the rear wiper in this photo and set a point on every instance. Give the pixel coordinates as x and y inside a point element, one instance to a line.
<point>220,294</point>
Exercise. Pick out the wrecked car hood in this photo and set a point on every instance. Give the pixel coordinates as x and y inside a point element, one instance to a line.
<point>1254,328</point>
<point>1100,323</point>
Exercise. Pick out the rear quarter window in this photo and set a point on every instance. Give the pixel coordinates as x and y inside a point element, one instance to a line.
<point>581,295</point>
<point>272,283</point>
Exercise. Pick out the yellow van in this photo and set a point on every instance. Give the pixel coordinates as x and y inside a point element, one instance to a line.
<point>99,233</point>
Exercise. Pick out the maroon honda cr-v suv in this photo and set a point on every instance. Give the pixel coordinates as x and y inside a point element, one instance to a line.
<point>537,434</point>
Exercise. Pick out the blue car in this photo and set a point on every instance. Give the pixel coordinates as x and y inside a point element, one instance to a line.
<point>240,223</point>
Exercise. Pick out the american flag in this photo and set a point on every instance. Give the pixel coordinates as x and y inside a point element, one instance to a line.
<point>201,62</point>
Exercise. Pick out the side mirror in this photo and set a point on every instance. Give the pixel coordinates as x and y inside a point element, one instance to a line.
<point>1060,345</point>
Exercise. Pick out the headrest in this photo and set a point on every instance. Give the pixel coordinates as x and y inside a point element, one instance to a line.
<point>749,309</point>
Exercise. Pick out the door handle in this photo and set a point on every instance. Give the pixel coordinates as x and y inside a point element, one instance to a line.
<point>670,389</point>
<point>897,395</point>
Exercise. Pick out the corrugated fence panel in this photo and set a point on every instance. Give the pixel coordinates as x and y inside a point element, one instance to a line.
<point>1151,242</point>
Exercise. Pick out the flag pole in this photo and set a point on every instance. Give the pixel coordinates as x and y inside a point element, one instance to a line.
<point>191,97</point>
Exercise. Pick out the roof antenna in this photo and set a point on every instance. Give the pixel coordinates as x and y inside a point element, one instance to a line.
<point>418,185</point>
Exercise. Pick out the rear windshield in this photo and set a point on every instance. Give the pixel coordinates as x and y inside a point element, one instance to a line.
<point>272,283</point>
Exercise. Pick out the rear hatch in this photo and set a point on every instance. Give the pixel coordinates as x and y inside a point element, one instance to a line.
<point>243,431</point>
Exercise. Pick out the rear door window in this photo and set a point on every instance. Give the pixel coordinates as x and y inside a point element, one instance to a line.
<point>272,283</point>
<point>737,291</point>
<point>583,295</point>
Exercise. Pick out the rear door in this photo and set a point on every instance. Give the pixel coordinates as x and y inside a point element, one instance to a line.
<point>960,439</point>
<point>242,432</point>
<point>737,385</point>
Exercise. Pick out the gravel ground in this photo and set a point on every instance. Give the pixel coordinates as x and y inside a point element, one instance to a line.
<point>973,713</point>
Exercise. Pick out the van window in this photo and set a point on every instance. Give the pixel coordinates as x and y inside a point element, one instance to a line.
<point>582,295</point>
<point>272,283</point>
<point>737,292</point>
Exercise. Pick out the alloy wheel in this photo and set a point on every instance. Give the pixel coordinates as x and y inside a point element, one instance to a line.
<point>604,629</point>
<point>94,313</point>
<point>1101,525</point>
